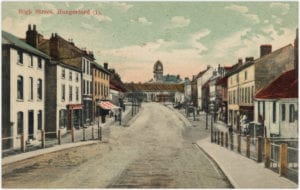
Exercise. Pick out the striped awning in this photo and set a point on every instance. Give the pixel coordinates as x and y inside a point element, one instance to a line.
<point>107,105</point>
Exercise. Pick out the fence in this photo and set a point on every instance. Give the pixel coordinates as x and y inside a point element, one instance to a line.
<point>52,138</point>
<point>276,153</point>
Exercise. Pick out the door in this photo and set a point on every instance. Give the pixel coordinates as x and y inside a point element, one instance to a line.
<point>30,124</point>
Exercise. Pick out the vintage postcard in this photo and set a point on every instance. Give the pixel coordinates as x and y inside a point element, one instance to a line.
<point>149,94</point>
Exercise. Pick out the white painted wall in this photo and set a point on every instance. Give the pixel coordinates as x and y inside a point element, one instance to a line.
<point>67,82</point>
<point>26,104</point>
<point>201,81</point>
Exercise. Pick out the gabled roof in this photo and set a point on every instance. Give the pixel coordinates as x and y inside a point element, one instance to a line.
<point>10,39</point>
<point>285,86</point>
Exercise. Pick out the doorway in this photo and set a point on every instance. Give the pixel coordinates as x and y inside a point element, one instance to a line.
<point>30,124</point>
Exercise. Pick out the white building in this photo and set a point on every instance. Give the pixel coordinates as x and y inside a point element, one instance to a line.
<point>87,89</point>
<point>204,78</point>
<point>277,108</point>
<point>63,97</point>
<point>23,91</point>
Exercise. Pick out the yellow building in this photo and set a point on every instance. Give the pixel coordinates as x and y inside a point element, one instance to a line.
<point>253,75</point>
<point>100,86</point>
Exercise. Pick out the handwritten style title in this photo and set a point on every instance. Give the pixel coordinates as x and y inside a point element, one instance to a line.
<point>58,12</point>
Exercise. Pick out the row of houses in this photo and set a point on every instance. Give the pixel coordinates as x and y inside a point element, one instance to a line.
<point>51,84</point>
<point>263,90</point>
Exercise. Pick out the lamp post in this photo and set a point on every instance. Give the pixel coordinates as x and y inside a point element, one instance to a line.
<point>212,111</point>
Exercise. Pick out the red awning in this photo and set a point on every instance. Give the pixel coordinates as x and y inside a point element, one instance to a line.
<point>75,106</point>
<point>107,105</point>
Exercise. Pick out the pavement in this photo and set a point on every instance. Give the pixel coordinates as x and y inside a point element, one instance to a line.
<point>241,171</point>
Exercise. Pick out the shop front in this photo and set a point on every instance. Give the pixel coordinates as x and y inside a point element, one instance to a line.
<point>104,108</point>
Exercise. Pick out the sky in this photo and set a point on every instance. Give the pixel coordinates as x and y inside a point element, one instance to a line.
<point>185,36</point>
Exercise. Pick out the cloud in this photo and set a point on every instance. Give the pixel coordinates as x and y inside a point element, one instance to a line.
<point>242,44</point>
<point>123,6</point>
<point>244,11</point>
<point>195,40</point>
<point>237,8</point>
<point>179,21</point>
<point>282,7</point>
<point>144,21</point>
<point>103,18</point>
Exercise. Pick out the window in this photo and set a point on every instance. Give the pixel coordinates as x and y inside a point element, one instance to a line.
<point>83,66</point>
<point>63,91</point>
<point>264,109</point>
<point>39,89</point>
<point>31,61</point>
<point>249,95</point>
<point>292,113</point>
<point>77,77</point>
<point>70,93</point>
<point>63,73</point>
<point>258,107</point>
<point>283,112</point>
<point>40,63</point>
<point>91,87</point>
<point>20,88</point>
<point>83,87</point>
<point>40,120</point>
<point>274,112</point>
<point>62,118</point>
<point>95,88</point>
<point>70,75</point>
<point>30,88</point>
<point>20,123</point>
<point>87,87</point>
<point>242,95</point>
<point>245,75</point>
<point>20,57</point>
<point>77,93</point>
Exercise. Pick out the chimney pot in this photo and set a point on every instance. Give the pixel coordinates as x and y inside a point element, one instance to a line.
<point>34,27</point>
<point>240,61</point>
<point>265,50</point>
<point>105,65</point>
<point>29,27</point>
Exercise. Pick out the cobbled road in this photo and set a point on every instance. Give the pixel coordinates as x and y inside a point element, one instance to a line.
<point>158,150</point>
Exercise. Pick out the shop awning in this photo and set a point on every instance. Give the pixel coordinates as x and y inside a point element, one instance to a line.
<point>107,105</point>
<point>75,106</point>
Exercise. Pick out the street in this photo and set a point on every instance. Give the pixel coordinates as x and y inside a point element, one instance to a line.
<point>157,150</point>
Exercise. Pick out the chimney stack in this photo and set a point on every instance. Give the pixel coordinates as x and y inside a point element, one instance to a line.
<point>106,66</point>
<point>249,59</point>
<point>32,36</point>
<point>265,50</point>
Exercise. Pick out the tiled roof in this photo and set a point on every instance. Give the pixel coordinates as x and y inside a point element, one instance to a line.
<point>118,87</point>
<point>285,86</point>
<point>13,40</point>
<point>154,87</point>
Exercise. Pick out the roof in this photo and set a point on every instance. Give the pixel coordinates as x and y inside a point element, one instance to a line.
<point>115,86</point>
<point>285,86</point>
<point>15,41</point>
<point>171,78</point>
<point>267,57</point>
<point>100,67</point>
<point>222,81</point>
<point>154,87</point>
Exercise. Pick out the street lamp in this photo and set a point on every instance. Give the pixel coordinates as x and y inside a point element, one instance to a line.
<point>212,111</point>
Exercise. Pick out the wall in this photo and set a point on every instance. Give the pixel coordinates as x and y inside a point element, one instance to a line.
<point>26,104</point>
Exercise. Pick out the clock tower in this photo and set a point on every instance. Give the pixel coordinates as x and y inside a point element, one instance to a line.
<point>158,72</point>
